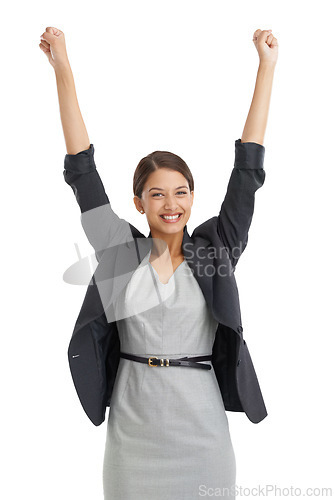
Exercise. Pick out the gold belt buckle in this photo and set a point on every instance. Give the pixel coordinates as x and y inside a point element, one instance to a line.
<point>161,361</point>
<point>150,360</point>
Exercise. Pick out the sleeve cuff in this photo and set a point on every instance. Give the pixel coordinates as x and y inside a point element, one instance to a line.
<point>249,155</point>
<point>82,162</point>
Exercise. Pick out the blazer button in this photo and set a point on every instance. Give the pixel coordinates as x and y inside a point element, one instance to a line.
<point>240,329</point>
<point>238,363</point>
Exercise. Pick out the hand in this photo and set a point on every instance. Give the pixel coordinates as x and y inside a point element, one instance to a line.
<point>53,45</point>
<point>266,45</point>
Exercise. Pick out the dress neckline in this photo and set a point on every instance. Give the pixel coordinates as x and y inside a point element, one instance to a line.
<point>156,272</point>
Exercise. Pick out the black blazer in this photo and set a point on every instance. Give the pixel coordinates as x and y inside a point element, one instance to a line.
<point>215,246</point>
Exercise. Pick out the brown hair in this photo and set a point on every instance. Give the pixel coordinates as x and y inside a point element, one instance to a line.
<point>154,161</point>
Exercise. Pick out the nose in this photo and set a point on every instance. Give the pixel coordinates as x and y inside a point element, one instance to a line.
<point>170,204</point>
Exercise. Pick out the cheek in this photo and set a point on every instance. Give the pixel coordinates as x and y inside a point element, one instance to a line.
<point>152,205</point>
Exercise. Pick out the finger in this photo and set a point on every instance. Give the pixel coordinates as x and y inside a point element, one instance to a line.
<point>264,35</point>
<point>44,49</point>
<point>256,35</point>
<point>272,41</point>
<point>45,44</point>
<point>48,37</point>
<point>261,34</point>
<point>54,31</point>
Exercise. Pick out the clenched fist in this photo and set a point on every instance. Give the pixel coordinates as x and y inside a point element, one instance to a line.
<point>53,45</point>
<point>266,45</point>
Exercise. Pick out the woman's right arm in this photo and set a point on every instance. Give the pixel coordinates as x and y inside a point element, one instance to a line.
<point>75,133</point>
<point>102,226</point>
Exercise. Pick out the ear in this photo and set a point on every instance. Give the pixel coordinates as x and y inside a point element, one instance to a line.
<point>137,203</point>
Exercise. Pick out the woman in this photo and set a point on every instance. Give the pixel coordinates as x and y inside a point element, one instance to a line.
<point>168,432</point>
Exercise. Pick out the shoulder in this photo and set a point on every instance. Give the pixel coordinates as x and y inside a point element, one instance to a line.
<point>135,232</point>
<point>207,230</point>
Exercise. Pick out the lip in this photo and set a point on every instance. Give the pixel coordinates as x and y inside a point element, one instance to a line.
<point>171,215</point>
<point>170,221</point>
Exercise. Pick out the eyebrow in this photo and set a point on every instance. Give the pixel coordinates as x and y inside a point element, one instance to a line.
<point>163,189</point>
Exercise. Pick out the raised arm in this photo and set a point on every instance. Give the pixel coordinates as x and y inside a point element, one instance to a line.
<point>256,123</point>
<point>75,133</point>
<point>248,175</point>
<point>237,209</point>
<point>102,226</point>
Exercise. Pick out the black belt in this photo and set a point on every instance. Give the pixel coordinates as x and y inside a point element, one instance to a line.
<point>154,361</point>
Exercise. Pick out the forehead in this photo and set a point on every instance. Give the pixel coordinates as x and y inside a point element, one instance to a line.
<point>165,178</point>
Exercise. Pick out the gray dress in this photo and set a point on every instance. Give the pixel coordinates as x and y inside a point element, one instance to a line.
<point>167,430</point>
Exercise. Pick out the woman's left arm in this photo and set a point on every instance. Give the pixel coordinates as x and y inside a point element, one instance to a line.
<point>256,123</point>
<point>248,175</point>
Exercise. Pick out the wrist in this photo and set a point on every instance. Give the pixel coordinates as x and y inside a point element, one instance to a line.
<point>62,68</point>
<point>267,65</point>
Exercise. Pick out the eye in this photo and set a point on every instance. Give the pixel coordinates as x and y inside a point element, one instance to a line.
<point>182,192</point>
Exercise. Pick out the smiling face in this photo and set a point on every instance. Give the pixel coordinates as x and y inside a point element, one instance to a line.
<point>166,193</point>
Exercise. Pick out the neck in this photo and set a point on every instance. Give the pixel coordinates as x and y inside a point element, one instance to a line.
<point>162,241</point>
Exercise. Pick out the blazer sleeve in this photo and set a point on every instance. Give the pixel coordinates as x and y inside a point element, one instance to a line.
<point>102,226</point>
<point>237,209</point>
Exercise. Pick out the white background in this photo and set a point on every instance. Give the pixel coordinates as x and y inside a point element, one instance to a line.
<point>177,76</point>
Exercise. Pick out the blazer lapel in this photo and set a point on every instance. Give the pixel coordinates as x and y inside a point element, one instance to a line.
<point>207,261</point>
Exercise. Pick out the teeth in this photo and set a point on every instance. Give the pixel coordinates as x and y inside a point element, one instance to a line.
<point>169,217</point>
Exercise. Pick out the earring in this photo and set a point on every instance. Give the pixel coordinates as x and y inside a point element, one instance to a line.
<point>142,211</point>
